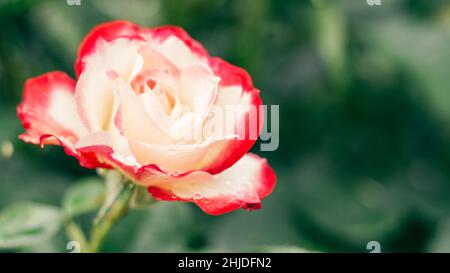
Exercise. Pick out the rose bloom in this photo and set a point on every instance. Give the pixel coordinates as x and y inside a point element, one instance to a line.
<point>141,97</point>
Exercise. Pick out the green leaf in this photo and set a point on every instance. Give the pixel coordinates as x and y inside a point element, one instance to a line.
<point>25,224</point>
<point>83,197</point>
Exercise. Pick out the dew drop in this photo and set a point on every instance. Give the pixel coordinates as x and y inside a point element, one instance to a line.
<point>243,187</point>
<point>197,196</point>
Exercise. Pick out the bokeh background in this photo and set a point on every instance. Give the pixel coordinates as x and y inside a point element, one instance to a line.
<point>364,95</point>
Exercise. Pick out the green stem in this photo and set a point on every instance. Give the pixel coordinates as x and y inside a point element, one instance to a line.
<point>75,233</point>
<point>102,225</point>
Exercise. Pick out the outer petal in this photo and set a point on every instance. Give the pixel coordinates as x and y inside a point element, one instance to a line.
<point>48,107</point>
<point>49,115</point>
<point>244,185</point>
<point>108,32</point>
<point>236,89</point>
<point>100,144</point>
<point>173,48</point>
<point>117,29</point>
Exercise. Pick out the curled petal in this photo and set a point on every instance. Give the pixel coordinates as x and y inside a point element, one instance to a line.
<point>177,45</point>
<point>243,185</point>
<point>49,115</point>
<point>236,91</point>
<point>107,32</point>
<point>48,107</point>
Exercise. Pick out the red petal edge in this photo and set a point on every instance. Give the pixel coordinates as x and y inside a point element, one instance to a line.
<point>266,181</point>
<point>221,205</point>
<point>119,29</point>
<point>41,129</point>
<point>108,32</point>
<point>232,75</point>
<point>87,160</point>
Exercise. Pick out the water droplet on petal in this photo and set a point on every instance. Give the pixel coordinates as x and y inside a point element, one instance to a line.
<point>197,196</point>
<point>243,187</point>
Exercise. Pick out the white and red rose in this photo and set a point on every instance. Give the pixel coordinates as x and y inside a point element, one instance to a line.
<point>140,97</point>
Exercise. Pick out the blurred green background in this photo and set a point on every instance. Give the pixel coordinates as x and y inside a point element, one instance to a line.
<point>364,95</point>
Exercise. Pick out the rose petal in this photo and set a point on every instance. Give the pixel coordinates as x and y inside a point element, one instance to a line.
<point>94,139</point>
<point>107,32</point>
<point>95,98</point>
<point>177,158</point>
<point>197,90</point>
<point>177,45</point>
<point>133,120</point>
<point>154,109</point>
<point>245,184</point>
<point>177,52</point>
<point>48,107</point>
<point>155,60</point>
<point>236,89</point>
<point>49,115</point>
<point>185,52</point>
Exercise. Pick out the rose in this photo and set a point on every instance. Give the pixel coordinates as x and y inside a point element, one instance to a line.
<point>142,102</point>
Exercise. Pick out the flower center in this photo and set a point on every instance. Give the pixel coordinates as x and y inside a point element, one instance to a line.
<point>150,81</point>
